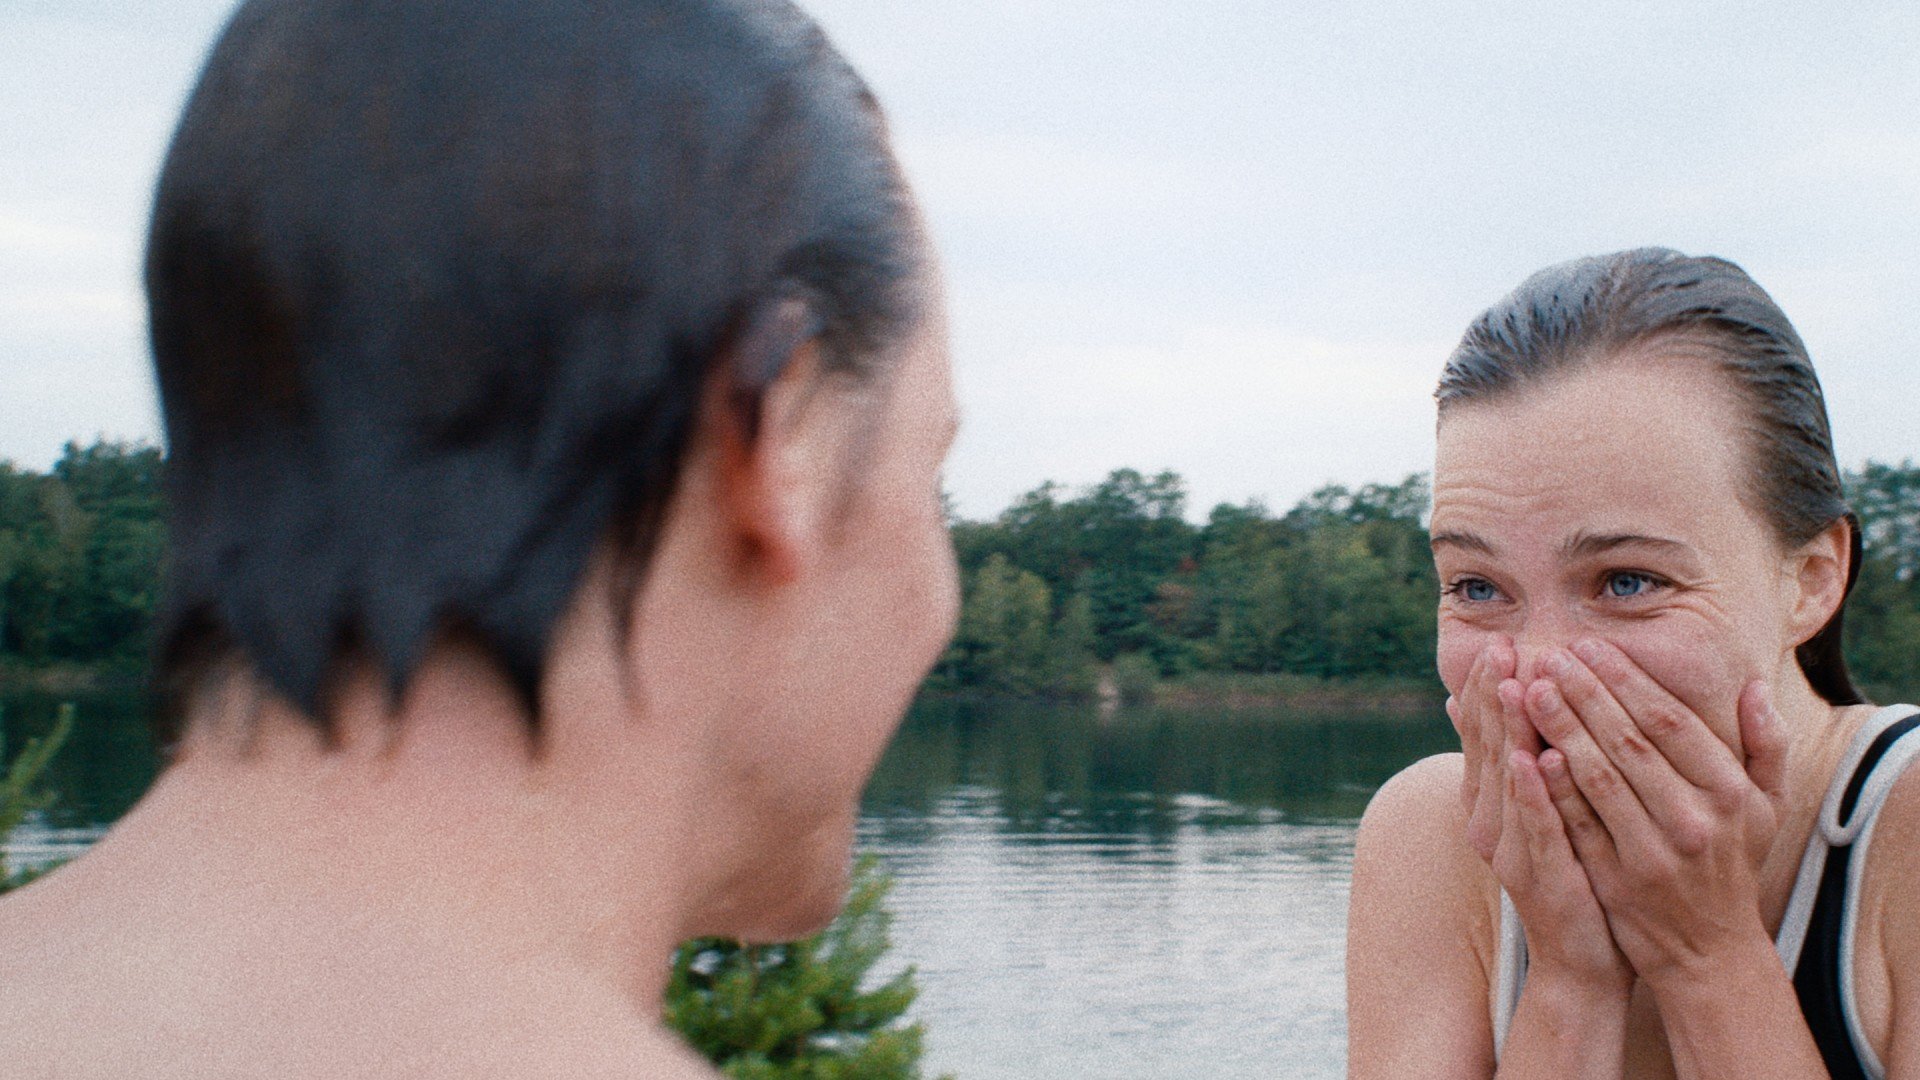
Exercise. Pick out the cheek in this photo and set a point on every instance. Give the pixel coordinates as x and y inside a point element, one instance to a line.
<point>924,602</point>
<point>1704,668</point>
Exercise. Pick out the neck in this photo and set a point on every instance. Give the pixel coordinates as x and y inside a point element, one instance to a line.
<point>1818,734</point>
<point>432,832</point>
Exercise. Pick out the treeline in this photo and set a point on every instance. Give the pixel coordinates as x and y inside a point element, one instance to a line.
<point>80,551</point>
<point>1339,587</point>
<point>1063,587</point>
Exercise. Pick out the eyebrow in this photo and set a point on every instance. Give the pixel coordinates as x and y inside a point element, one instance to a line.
<point>1590,544</point>
<point>1468,541</point>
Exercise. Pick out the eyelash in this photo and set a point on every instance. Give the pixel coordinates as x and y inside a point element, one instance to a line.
<point>1653,582</point>
<point>1459,585</point>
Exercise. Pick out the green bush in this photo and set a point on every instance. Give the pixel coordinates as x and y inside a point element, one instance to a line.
<point>799,1011</point>
<point>1135,676</point>
<point>20,791</point>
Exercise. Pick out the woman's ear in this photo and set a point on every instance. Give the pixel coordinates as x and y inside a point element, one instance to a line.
<point>1818,573</point>
<point>782,438</point>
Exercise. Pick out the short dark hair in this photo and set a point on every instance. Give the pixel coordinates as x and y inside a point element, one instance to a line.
<point>1588,309</point>
<point>435,287</point>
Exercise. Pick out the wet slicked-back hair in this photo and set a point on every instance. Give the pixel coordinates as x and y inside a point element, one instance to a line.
<point>436,286</point>
<point>1587,310</point>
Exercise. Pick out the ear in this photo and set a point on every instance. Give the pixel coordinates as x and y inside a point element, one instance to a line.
<point>781,440</point>
<point>1817,576</point>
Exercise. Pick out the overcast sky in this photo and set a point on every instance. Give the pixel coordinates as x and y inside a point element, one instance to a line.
<point>1230,238</point>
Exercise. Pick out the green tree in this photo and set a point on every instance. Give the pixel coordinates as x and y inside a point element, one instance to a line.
<point>1003,639</point>
<point>21,792</point>
<point>80,553</point>
<point>801,1011</point>
<point>1883,614</point>
<point>1072,664</point>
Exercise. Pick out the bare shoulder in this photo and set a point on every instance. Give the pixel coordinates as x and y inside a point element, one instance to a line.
<point>1417,815</point>
<point>1894,863</point>
<point>1887,971</point>
<point>1426,789</point>
<point>1413,836</point>
<point>1420,932</point>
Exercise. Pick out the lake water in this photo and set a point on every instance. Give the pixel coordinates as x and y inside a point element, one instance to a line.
<point>1143,895</point>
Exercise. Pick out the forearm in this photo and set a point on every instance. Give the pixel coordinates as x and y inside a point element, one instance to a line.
<point>1566,1029</point>
<point>1737,1018</point>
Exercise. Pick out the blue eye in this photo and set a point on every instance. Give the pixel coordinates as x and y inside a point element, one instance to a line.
<point>1629,584</point>
<point>1474,590</point>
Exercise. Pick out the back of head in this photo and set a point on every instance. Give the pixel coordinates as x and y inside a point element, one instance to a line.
<point>435,286</point>
<point>1586,310</point>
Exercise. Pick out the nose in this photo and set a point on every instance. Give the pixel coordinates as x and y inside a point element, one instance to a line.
<point>1542,630</point>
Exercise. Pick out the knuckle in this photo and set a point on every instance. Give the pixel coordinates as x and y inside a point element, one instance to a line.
<point>1662,722</point>
<point>1604,783</point>
<point>1692,834</point>
<point>1728,802</point>
<point>1632,745</point>
<point>1584,831</point>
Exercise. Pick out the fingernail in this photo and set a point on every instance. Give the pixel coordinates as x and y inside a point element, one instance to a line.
<point>1587,650</point>
<point>1557,663</point>
<point>1549,697</point>
<point>1553,762</point>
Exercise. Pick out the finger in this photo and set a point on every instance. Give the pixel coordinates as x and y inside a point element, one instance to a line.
<point>1520,732</point>
<point>1497,661</point>
<point>1585,831</point>
<point>1630,711</point>
<point>1462,712</point>
<point>1486,704</point>
<point>1613,728</point>
<point>1535,817</point>
<point>1495,664</point>
<point>1507,846</point>
<point>1765,740</point>
<point>1493,828</point>
<point>1469,750</point>
<point>1613,799</point>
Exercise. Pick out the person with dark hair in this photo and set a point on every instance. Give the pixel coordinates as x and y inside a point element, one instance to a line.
<point>1652,857</point>
<point>556,392</point>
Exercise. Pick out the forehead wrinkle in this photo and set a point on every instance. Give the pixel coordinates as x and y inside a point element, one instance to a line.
<point>1585,543</point>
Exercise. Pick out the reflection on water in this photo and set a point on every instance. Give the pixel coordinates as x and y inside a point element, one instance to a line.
<point>1148,894</point>
<point>106,764</point>
<point>1154,894</point>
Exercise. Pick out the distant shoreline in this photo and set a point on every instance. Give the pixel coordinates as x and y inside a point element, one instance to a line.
<point>1233,690</point>
<point>1206,689</point>
<point>1238,690</point>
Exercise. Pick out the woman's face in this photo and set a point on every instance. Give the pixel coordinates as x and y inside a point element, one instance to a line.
<point>1607,504</point>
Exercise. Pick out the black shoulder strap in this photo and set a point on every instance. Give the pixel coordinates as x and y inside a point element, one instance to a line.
<point>1818,978</point>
